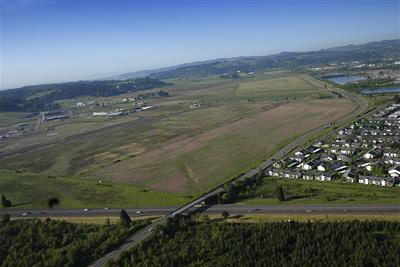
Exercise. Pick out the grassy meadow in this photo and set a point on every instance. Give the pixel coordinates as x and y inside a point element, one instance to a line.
<point>29,190</point>
<point>299,191</point>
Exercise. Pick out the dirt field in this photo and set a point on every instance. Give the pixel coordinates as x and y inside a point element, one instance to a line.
<point>197,162</point>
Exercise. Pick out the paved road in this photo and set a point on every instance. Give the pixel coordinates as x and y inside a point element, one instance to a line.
<point>129,243</point>
<point>217,209</point>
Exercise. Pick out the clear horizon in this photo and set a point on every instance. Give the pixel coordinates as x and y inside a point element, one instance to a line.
<point>47,41</point>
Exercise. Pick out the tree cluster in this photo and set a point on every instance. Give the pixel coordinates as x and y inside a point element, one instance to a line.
<point>240,189</point>
<point>158,94</point>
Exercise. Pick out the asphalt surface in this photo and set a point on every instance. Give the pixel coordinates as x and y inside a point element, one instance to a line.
<point>240,209</point>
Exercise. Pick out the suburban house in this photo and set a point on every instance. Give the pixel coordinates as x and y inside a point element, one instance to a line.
<point>350,175</point>
<point>395,172</point>
<point>374,180</point>
<point>330,157</point>
<point>339,167</point>
<point>373,154</point>
<point>324,177</point>
<point>311,165</point>
<point>308,176</point>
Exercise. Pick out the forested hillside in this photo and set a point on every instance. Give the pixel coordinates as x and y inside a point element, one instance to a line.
<point>350,243</point>
<point>42,97</point>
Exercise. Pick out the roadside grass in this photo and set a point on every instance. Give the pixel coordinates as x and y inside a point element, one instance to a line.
<point>299,191</point>
<point>264,218</point>
<point>28,190</point>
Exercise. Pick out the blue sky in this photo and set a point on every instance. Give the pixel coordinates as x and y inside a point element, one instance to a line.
<point>62,40</point>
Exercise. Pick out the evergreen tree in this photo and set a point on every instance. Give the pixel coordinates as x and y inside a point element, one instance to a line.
<point>4,202</point>
<point>279,194</point>
<point>225,214</point>
<point>124,218</point>
<point>52,201</point>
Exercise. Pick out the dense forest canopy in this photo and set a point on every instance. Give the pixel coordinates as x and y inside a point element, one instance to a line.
<point>42,97</point>
<point>59,243</point>
<point>188,243</point>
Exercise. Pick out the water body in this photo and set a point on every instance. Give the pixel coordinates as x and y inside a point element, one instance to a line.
<point>381,90</point>
<point>343,79</point>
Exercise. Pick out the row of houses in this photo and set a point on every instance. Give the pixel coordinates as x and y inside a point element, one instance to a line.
<point>366,152</point>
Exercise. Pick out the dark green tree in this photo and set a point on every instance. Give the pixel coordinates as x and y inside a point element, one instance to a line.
<point>124,218</point>
<point>225,214</point>
<point>4,202</point>
<point>53,201</point>
<point>279,194</point>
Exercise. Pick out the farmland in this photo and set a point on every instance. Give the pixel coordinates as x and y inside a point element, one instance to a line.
<point>178,149</point>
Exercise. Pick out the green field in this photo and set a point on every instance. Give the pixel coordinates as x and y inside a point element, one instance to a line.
<point>29,190</point>
<point>177,149</point>
<point>299,191</point>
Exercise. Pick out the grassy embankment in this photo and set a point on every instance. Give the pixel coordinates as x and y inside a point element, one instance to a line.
<point>299,191</point>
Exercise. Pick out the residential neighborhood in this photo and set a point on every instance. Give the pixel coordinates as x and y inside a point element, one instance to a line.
<point>366,152</point>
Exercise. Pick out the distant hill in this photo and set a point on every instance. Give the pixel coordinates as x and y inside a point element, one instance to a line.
<point>144,73</point>
<point>43,97</point>
<point>368,52</point>
<point>364,53</point>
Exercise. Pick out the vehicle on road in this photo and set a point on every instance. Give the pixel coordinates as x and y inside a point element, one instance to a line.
<point>308,211</point>
<point>85,209</point>
<point>138,212</point>
<point>106,208</point>
<point>151,229</point>
<point>26,213</point>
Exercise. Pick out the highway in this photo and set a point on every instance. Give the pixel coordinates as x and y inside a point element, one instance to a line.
<point>239,209</point>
